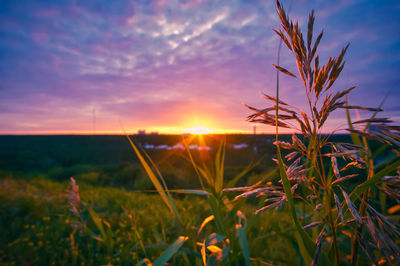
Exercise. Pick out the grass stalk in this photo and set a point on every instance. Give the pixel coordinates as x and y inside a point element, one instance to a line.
<point>303,239</point>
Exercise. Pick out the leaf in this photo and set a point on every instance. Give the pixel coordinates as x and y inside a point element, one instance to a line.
<point>206,175</point>
<point>214,249</point>
<point>376,178</point>
<point>285,71</point>
<point>97,221</point>
<point>241,234</point>
<point>219,166</point>
<point>361,108</point>
<point>303,239</point>
<point>170,251</point>
<point>217,214</point>
<point>218,253</point>
<point>355,138</point>
<point>374,120</point>
<point>206,221</point>
<point>160,189</point>
<point>190,191</point>
<point>249,167</point>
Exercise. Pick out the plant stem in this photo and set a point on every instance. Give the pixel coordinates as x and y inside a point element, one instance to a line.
<point>328,189</point>
<point>333,229</point>
<point>355,246</point>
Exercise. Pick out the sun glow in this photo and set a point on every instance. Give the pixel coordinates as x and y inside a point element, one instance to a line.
<point>198,130</point>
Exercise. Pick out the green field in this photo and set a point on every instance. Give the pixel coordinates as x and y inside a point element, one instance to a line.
<point>120,225</point>
<point>37,224</point>
<point>110,161</point>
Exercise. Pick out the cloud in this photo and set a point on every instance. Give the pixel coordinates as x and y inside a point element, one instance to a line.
<point>156,61</point>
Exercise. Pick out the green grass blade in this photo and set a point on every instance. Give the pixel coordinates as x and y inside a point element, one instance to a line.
<point>304,241</point>
<point>207,176</point>
<point>372,181</point>
<point>233,182</point>
<point>190,191</point>
<point>170,251</point>
<point>379,107</point>
<point>160,189</point>
<point>219,166</point>
<point>160,178</point>
<point>217,214</point>
<point>378,151</point>
<point>97,222</point>
<point>196,168</point>
<point>356,139</point>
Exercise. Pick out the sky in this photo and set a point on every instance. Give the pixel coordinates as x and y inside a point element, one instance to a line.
<point>72,67</point>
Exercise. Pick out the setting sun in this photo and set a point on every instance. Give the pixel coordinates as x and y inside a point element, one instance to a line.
<point>198,130</point>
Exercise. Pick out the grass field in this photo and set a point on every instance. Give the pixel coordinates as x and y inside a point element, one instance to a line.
<point>110,161</point>
<point>39,228</point>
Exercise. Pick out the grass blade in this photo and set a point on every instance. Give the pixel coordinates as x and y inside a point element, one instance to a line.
<point>356,139</point>
<point>206,221</point>
<point>219,166</point>
<point>160,189</point>
<point>97,222</point>
<point>190,191</point>
<point>233,182</point>
<point>170,251</point>
<point>372,181</point>
<point>214,204</point>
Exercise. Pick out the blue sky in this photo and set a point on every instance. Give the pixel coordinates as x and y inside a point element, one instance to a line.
<point>171,65</point>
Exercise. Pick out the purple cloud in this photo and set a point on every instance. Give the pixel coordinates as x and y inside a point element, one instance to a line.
<point>157,63</point>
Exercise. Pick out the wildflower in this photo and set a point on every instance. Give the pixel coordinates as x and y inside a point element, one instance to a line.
<point>74,198</point>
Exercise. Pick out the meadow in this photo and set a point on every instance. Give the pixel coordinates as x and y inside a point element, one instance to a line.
<point>110,161</point>
<point>39,228</point>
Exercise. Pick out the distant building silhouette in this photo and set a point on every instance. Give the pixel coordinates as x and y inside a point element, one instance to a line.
<point>142,132</point>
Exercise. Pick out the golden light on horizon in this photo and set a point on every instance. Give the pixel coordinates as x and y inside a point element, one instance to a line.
<point>198,130</point>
